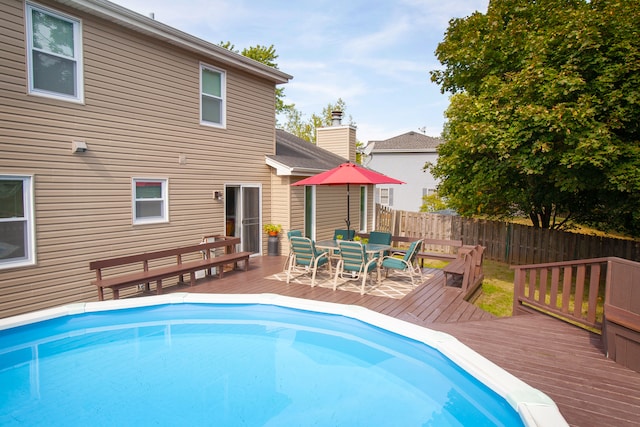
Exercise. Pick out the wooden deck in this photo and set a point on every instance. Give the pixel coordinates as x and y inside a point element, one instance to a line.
<point>565,362</point>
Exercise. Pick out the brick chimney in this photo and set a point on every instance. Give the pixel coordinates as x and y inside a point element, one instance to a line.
<point>338,138</point>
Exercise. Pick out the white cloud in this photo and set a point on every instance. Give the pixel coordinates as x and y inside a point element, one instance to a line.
<point>376,56</point>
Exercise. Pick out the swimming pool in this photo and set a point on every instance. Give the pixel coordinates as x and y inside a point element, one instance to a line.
<point>188,359</point>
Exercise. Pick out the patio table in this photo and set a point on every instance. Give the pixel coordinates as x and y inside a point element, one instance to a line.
<point>370,249</point>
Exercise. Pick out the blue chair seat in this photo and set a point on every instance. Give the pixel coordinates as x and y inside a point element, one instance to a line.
<point>407,265</point>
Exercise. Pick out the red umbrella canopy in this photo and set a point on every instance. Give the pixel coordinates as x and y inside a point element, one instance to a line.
<point>345,174</point>
<point>348,173</point>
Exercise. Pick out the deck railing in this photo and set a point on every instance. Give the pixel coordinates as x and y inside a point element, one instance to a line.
<point>571,290</point>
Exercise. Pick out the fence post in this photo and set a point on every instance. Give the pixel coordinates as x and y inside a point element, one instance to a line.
<point>507,243</point>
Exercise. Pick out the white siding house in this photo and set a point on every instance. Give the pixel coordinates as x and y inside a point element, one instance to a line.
<point>403,157</point>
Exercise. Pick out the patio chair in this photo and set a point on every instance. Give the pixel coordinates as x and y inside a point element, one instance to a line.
<point>306,258</point>
<point>380,238</point>
<point>407,265</point>
<point>290,234</point>
<point>354,264</point>
<point>346,234</point>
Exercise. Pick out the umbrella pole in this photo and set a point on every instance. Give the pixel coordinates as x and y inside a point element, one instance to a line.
<point>348,220</point>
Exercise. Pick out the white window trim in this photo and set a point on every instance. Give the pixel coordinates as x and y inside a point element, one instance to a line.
<point>78,54</point>
<point>30,227</point>
<point>165,199</point>
<point>365,220</point>
<point>223,95</point>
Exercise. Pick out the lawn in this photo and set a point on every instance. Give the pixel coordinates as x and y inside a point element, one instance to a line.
<point>497,289</point>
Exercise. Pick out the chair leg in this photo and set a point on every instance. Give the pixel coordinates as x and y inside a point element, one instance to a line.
<point>287,262</point>
<point>292,262</point>
<point>315,270</point>
<point>335,278</point>
<point>364,282</point>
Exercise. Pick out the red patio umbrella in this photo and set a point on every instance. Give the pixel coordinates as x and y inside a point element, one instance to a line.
<point>346,174</point>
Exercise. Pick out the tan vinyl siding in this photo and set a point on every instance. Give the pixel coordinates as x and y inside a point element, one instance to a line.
<point>331,209</point>
<point>279,205</point>
<point>141,114</point>
<point>340,140</point>
<point>297,208</point>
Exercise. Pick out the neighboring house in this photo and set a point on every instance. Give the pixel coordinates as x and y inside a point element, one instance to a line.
<point>403,157</point>
<point>317,210</point>
<point>119,135</point>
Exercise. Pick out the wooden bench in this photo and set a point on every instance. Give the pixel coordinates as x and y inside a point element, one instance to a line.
<point>468,265</point>
<point>456,267</point>
<point>178,267</point>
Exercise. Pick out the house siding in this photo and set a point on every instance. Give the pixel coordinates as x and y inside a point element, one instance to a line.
<point>280,212</point>
<point>331,209</point>
<point>407,167</point>
<point>296,207</point>
<point>140,117</point>
<point>340,140</point>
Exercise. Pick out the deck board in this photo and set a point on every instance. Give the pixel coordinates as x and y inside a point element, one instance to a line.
<point>563,361</point>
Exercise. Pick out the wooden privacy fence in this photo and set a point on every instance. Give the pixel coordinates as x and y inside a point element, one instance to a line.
<point>506,242</point>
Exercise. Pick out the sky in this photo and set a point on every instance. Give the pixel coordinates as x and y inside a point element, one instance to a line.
<point>374,55</point>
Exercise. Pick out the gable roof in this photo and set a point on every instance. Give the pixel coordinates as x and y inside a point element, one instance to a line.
<point>407,142</point>
<point>142,24</point>
<point>295,156</point>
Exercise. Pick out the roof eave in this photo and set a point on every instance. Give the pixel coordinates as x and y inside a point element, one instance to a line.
<point>405,150</point>
<point>150,27</point>
<point>284,170</point>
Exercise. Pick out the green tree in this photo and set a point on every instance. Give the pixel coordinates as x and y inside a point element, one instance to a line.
<point>543,118</point>
<point>266,55</point>
<point>303,128</point>
<point>432,203</point>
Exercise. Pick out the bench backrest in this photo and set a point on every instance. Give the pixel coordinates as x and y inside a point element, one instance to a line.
<point>148,256</point>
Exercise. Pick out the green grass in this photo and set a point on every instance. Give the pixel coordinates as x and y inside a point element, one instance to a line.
<point>497,287</point>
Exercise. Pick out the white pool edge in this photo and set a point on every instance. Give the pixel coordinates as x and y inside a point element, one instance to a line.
<point>534,407</point>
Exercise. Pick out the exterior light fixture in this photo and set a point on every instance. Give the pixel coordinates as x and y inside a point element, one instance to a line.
<point>78,147</point>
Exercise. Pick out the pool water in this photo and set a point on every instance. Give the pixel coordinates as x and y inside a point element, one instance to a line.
<point>232,365</point>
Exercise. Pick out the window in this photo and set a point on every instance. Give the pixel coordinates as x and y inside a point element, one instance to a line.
<point>16,221</point>
<point>150,203</point>
<point>54,54</point>
<point>212,104</point>
<point>386,196</point>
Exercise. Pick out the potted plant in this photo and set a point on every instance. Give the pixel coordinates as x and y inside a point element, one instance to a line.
<point>272,229</point>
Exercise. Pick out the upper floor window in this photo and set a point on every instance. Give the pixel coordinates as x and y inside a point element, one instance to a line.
<point>54,54</point>
<point>16,221</point>
<point>212,97</point>
<point>150,204</point>
<point>385,196</point>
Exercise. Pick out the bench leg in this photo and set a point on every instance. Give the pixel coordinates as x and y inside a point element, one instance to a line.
<point>116,293</point>
<point>220,271</point>
<point>192,278</point>
<point>147,286</point>
<point>246,264</point>
<point>159,287</point>
<point>100,294</point>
